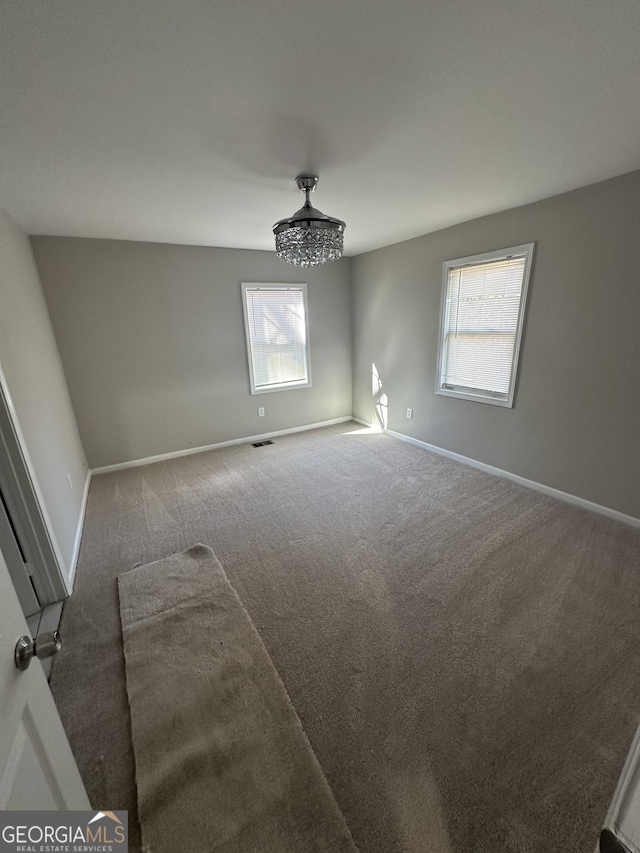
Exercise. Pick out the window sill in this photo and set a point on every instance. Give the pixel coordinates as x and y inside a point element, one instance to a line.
<point>506,403</point>
<point>286,386</point>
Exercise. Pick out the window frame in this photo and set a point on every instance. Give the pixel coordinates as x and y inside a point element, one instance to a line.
<point>479,396</point>
<point>283,386</point>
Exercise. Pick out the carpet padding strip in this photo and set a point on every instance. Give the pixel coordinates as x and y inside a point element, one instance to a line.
<point>222,761</point>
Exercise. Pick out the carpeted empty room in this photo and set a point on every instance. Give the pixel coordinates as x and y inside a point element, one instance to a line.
<point>319,425</point>
<point>461,652</point>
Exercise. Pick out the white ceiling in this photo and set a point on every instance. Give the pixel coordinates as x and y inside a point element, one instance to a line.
<point>186,121</point>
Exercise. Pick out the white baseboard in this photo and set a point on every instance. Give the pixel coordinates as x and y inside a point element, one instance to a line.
<point>136,463</point>
<point>78,536</point>
<point>363,422</point>
<point>522,481</point>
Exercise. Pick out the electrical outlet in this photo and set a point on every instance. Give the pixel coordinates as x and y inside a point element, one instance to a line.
<point>409,413</point>
<point>261,411</point>
<point>70,483</point>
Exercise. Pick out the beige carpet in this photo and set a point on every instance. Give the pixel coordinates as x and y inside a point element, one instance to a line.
<point>463,653</point>
<point>222,762</point>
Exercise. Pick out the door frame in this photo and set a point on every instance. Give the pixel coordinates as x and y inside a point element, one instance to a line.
<point>26,504</point>
<point>19,561</point>
<point>625,794</point>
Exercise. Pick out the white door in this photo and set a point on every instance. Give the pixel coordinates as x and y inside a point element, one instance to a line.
<point>37,768</point>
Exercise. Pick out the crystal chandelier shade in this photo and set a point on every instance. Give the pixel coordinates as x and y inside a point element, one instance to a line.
<point>309,237</point>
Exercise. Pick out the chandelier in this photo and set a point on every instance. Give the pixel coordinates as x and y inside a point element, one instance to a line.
<point>309,238</point>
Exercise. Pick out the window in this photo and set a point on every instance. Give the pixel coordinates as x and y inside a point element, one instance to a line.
<point>277,332</point>
<point>483,300</point>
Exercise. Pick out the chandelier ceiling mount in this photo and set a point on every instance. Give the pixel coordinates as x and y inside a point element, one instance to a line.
<point>309,238</point>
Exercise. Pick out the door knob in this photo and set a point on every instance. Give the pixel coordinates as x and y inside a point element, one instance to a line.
<point>44,646</point>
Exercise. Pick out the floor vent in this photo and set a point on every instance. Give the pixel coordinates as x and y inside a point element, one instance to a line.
<point>261,443</point>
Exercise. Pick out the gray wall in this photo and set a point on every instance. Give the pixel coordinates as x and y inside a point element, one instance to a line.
<point>153,345</point>
<point>575,424</point>
<point>37,387</point>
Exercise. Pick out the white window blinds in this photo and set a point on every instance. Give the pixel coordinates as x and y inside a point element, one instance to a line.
<point>276,336</point>
<point>481,325</point>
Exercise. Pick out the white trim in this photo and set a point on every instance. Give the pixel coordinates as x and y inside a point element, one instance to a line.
<point>53,563</point>
<point>479,396</point>
<point>283,386</point>
<point>628,784</point>
<point>78,536</point>
<point>136,463</point>
<point>522,481</point>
